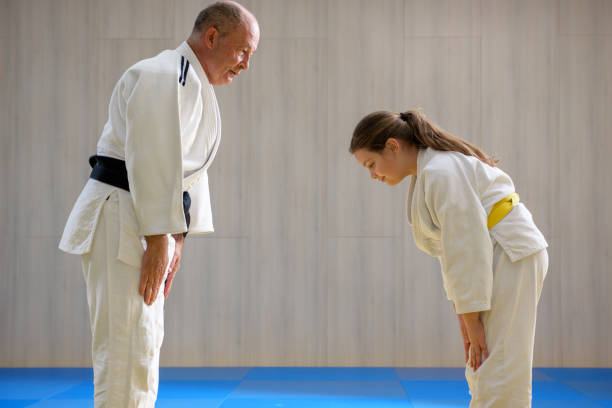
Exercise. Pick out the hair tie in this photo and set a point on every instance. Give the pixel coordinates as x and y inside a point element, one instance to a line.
<point>403,116</point>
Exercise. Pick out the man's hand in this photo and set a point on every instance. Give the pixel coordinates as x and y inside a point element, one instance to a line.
<point>154,262</point>
<point>175,263</point>
<point>476,336</point>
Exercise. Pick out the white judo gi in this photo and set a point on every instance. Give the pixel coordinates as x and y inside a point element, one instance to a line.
<point>498,272</point>
<point>164,123</point>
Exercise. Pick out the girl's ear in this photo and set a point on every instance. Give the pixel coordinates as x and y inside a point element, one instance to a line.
<point>392,144</point>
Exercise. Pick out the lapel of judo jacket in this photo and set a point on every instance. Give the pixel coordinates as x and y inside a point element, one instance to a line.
<point>424,230</point>
<point>200,118</point>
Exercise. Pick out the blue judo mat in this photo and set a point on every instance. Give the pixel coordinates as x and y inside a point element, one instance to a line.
<point>293,387</point>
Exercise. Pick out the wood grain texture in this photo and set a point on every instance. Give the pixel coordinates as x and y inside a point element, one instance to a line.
<point>6,10</point>
<point>230,175</point>
<point>362,77</point>
<point>585,17</point>
<point>428,326</point>
<point>292,19</point>
<point>442,18</point>
<point>312,263</point>
<point>51,108</point>
<point>585,144</point>
<point>135,19</point>
<point>49,319</point>
<point>8,262</point>
<point>286,186</point>
<point>207,306</point>
<point>8,75</point>
<point>366,286</point>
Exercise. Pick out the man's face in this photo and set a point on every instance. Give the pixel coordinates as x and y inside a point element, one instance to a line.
<point>231,53</point>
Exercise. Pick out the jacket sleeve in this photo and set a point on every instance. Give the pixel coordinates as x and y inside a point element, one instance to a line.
<point>467,250</point>
<point>153,154</point>
<point>200,211</point>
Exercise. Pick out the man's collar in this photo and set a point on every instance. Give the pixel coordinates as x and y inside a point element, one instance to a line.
<point>185,49</point>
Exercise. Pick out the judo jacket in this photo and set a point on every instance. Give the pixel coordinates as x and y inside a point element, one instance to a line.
<point>164,122</point>
<point>448,203</point>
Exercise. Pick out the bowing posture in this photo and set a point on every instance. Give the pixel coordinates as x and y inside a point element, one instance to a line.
<point>147,189</point>
<point>465,212</point>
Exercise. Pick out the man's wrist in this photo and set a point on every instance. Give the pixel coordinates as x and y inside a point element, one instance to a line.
<point>156,239</point>
<point>180,236</point>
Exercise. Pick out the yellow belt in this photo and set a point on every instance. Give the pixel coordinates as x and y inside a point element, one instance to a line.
<point>501,209</point>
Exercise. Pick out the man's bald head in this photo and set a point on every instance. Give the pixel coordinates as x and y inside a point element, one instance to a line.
<point>224,37</point>
<point>224,16</point>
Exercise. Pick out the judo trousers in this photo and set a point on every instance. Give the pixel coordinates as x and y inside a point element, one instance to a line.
<point>126,333</point>
<point>504,378</point>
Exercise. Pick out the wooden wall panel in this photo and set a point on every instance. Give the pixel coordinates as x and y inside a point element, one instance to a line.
<point>442,18</point>
<point>135,19</point>
<point>362,312</point>
<point>313,263</point>
<point>280,19</point>
<point>208,305</point>
<point>364,40</point>
<point>585,144</point>
<point>585,17</point>
<point>287,179</point>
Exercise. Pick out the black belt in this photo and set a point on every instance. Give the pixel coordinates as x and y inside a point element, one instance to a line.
<point>113,171</point>
<point>110,171</point>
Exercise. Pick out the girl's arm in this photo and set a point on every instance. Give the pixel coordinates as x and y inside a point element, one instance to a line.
<point>476,336</point>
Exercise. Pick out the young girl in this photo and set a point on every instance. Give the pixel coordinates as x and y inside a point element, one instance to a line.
<point>464,211</point>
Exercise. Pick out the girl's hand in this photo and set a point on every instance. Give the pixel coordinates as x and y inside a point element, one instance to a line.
<point>464,335</point>
<point>476,337</point>
<point>466,340</point>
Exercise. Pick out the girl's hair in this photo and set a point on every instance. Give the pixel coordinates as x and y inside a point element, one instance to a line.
<point>413,127</point>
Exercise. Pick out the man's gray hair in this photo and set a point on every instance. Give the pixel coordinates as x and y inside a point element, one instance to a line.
<point>225,16</point>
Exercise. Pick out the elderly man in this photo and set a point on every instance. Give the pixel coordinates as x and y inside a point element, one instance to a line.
<point>147,189</point>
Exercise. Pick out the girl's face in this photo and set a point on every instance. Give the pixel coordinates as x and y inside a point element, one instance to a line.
<point>390,166</point>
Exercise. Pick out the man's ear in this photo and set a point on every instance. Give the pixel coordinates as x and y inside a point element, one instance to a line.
<point>211,37</point>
